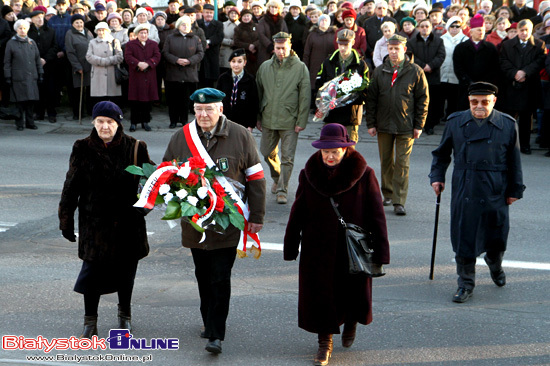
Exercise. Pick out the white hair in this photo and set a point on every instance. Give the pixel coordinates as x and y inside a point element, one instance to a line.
<point>387,25</point>
<point>21,23</point>
<point>382,2</point>
<point>486,1</point>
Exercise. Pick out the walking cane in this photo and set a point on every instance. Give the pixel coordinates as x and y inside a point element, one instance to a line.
<point>81,89</point>
<point>437,202</point>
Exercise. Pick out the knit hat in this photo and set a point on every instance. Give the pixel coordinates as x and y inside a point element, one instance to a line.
<point>40,7</point>
<point>51,11</point>
<point>6,9</point>
<point>141,11</point>
<point>477,21</point>
<point>452,20</point>
<point>408,19</point>
<point>76,17</point>
<point>295,4</point>
<point>141,27</point>
<point>114,15</point>
<point>235,9</point>
<point>150,10</point>
<point>160,14</point>
<point>324,16</point>
<point>349,13</point>
<point>102,25</point>
<point>346,5</point>
<point>333,135</point>
<point>100,7</point>
<point>107,109</point>
<point>181,20</point>
<point>245,11</point>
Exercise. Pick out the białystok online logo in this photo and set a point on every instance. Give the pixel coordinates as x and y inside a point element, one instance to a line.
<point>119,339</point>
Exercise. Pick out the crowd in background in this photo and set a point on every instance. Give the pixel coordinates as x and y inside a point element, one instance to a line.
<point>138,57</point>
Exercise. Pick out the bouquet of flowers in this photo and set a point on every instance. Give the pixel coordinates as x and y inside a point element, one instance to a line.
<point>189,190</point>
<point>338,92</point>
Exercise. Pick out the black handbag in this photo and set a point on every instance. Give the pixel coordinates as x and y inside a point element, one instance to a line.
<point>121,74</point>
<point>359,243</point>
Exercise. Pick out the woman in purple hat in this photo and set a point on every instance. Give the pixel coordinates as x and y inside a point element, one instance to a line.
<point>328,295</point>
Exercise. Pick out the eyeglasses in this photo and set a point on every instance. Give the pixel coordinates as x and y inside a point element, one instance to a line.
<point>454,26</point>
<point>484,102</point>
<point>205,110</point>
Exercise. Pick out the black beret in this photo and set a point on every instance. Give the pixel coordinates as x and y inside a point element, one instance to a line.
<point>208,7</point>
<point>76,17</point>
<point>107,109</point>
<point>236,53</point>
<point>482,88</point>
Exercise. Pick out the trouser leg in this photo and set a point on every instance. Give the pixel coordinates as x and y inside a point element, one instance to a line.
<point>172,101</point>
<point>400,179</point>
<point>21,108</point>
<point>29,111</point>
<point>466,271</point>
<point>385,150</point>
<point>213,273</point>
<point>524,124</point>
<point>91,303</point>
<point>353,132</point>
<point>270,151</point>
<point>289,140</point>
<point>495,260</point>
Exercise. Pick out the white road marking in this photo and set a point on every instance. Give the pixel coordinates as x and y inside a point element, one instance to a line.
<point>3,225</point>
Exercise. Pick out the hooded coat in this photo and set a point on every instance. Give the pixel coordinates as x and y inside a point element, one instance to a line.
<point>328,295</point>
<point>109,227</point>
<point>487,170</point>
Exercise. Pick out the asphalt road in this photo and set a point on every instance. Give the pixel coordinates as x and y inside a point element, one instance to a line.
<point>415,322</point>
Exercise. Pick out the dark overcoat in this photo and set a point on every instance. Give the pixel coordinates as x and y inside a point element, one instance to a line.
<point>430,52</point>
<point>76,46</point>
<point>374,33</point>
<point>179,46</point>
<point>246,34</point>
<point>513,57</point>
<point>247,105</point>
<point>319,46</point>
<point>328,294</point>
<point>297,28</point>
<point>210,66</point>
<point>22,64</point>
<point>267,28</point>
<point>487,170</point>
<point>142,84</point>
<point>109,227</point>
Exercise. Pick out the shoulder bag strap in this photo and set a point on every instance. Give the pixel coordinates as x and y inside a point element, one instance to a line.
<point>340,218</point>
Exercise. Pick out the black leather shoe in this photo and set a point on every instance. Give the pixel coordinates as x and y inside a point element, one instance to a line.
<point>498,277</point>
<point>399,210</point>
<point>214,346</point>
<point>525,150</point>
<point>31,127</point>
<point>462,295</point>
<point>172,125</point>
<point>132,128</point>
<point>20,128</point>
<point>146,127</point>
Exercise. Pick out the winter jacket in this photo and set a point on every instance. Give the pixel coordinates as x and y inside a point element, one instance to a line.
<point>266,30</point>
<point>244,110</point>
<point>45,40</point>
<point>373,31</point>
<point>245,35</point>
<point>22,65</point>
<point>447,71</point>
<point>62,24</point>
<point>235,144</point>
<point>109,226</point>
<point>142,84</point>
<point>402,108</point>
<point>76,45</point>
<point>319,46</point>
<point>227,45</point>
<point>121,35</point>
<point>210,65</point>
<point>179,46</point>
<point>284,92</point>
<point>471,65</point>
<point>430,52</point>
<point>103,60</point>
<point>297,28</point>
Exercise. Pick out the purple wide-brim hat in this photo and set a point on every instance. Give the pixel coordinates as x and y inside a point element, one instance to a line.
<point>333,135</point>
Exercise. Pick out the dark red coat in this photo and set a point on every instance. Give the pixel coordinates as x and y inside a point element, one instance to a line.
<point>142,84</point>
<point>328,295</point>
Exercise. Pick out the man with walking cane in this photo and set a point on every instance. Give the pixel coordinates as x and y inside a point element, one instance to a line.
<point>487,178</point>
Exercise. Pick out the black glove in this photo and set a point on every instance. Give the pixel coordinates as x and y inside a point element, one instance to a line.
<point>8,81</point>
<point>69,235</point>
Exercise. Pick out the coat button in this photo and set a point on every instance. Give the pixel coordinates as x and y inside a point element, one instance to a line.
<point>468,143</point>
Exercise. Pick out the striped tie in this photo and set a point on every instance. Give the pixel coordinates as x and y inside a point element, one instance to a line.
<point>234,93</point>
<point>394,76</point>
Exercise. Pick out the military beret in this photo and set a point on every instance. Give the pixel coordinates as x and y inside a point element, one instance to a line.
<point>482,88</point>
<point>282,37</point>
<point>236,53</point>
<point>345,36</point>
<point>207,95</point>
<point>208,7</point>
<point>397,39</point>
<point>107,109</point>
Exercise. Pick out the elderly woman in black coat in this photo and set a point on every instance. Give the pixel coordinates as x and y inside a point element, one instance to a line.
<point>328,295</point>
<point>23,70</point>
<point>112,234</point>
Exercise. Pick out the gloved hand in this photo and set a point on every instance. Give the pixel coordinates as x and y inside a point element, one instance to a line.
<point>69,235</point>
<point>8,81</point>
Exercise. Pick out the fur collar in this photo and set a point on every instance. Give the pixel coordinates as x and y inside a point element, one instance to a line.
<point>331,182</point>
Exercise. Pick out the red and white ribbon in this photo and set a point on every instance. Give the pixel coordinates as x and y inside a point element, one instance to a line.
<point>151,189</point>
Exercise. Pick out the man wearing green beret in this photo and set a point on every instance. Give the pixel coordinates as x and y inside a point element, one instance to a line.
<point>284,94</point>
<point>397,105</point>
<point>233,150</point>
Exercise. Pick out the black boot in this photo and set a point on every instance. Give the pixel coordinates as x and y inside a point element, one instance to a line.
<point>325,350</point>
<point>348,335</point>
<point>132,128</point>
<point>90,327</point>
<point>146,126</point>
<point>124,319</point>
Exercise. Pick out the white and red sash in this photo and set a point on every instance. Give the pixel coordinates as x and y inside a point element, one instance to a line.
<point>253,173</point>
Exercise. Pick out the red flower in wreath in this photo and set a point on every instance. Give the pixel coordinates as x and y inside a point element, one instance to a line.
<point>196,162</point>
<point>165,163</point>
<point>219,189</point>
<point>220,204</point>
<point>192,179</point>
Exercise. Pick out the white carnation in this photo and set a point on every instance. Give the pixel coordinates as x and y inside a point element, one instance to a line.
<point>202,192</point>
<point>182,193</point>
<point>192,200</point>
<point>168,197</point>
<point>163,189</point>
<point>184,171</point>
